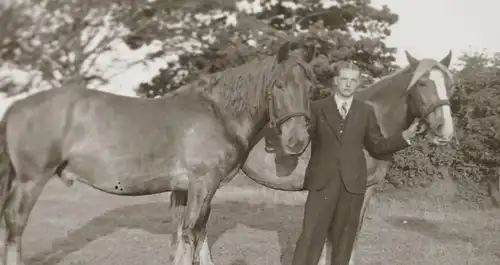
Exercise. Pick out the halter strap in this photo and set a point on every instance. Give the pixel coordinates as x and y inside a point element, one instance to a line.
<point>275,121</point>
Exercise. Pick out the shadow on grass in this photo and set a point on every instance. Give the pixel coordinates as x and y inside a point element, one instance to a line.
<point>155,218</point>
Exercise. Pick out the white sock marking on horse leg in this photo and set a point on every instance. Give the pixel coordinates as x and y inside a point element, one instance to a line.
<point>12,255</point>
<point>179,252</point>
<point>205,257</point>
<point>437,76</point>
<point>184,252</point>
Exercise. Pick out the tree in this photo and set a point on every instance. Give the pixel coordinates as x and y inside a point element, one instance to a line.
<point>59,41</point>
<point>477,114</point>
<point>230,35</point>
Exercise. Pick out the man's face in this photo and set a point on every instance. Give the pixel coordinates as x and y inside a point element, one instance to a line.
<point>347,82</point>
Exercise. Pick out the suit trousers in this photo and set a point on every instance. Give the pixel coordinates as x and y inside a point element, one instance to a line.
<point>333,213</point>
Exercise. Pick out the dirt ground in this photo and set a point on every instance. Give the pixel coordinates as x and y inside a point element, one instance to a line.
<point>250,226</point>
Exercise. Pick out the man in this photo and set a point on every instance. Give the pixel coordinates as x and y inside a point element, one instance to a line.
<point>336,175</point>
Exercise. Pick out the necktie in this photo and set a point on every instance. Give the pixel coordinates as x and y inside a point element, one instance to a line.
<point>343,110</point>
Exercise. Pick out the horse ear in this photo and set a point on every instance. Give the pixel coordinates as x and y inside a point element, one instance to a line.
<point>309,54</point>
<point>283,52</point>
<point>412,60</point>
<point>446,60</point>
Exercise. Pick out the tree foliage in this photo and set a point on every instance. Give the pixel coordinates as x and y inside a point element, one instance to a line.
<point>237,35</point>
<point>477,118</point>
<point>421,164</point>
<point>61,41</point>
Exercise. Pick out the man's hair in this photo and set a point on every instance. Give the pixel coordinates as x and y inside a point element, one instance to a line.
<point>338,66</point>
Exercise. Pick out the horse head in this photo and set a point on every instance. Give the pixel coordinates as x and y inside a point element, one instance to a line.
<point>422,90</point>
<point>288,99</point>
<point>429,93</point>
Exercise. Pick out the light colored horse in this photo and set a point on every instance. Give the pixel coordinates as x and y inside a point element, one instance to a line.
<point>420,90</point>
<point>189,142</point>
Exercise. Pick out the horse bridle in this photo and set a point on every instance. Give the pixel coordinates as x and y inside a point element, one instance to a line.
<point>275,121</point>
<point>424,111</point>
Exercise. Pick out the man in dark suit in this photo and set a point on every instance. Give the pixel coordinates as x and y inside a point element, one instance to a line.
<point>336,175</point>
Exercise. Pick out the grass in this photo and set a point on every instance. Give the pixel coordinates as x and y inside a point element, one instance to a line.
<point>253,225</point>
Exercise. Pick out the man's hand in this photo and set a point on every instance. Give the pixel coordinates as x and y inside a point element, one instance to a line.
<point>409,133</point>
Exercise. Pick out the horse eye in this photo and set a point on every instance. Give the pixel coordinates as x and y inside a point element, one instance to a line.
<point>279,84</point>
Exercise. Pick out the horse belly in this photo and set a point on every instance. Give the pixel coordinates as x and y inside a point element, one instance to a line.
<point>127,166</point>
<point>137,176</point>
<point>136,153</point>
<point>125,178</point>
<point>140,169</point>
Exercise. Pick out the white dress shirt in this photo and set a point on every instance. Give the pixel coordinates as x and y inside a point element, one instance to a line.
<point>341,100</point>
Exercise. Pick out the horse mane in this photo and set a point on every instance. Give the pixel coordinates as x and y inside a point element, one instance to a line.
<point>242,88</point>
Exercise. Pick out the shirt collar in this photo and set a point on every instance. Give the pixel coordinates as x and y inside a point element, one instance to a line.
<point>339,100</point>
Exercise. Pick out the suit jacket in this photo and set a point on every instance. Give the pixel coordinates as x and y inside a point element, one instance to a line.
<point>337,144</point>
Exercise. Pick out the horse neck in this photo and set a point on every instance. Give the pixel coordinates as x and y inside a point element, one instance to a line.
<point>244,127</point>
<point>388,98</point>
<point>239,98</point>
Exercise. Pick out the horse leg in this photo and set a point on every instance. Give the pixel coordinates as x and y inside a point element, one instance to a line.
<point>203,253</point>
<point>178,202</point>
<point>199,197</point>
<point>25,193</point>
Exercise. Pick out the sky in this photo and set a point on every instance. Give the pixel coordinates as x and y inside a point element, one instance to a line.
<point>430,28</point>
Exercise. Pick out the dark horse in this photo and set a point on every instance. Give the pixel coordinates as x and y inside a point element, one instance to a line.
<point>421,90</point>
<point>189,142</point>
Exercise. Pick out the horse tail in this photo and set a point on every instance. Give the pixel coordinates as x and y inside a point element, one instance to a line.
<point>7,171</point>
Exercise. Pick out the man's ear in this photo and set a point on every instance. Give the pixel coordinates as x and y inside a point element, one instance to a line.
<point>336,80</point>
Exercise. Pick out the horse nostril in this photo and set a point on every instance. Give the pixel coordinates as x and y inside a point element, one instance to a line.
<point>296,145</point>
<point>438,128</point>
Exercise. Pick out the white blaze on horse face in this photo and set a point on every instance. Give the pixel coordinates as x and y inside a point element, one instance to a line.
<point>437,77</point>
